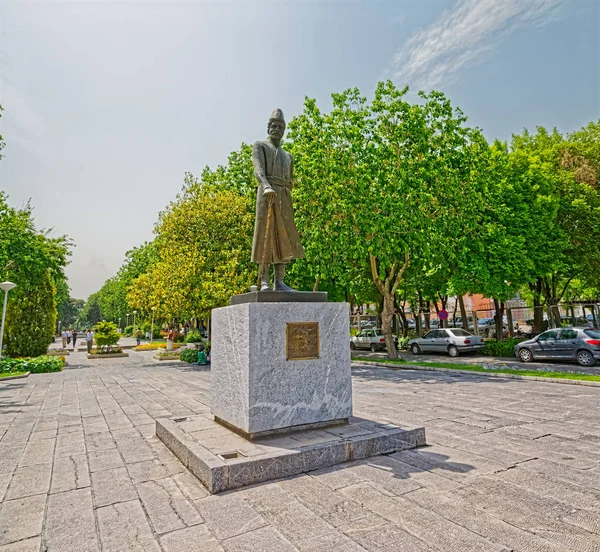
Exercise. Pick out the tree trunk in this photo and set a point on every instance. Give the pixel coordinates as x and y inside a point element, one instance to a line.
<point>387,288</point>
<point>404,323</point>
<point>317,281</point>
<point>427,315</point>
<point>454,313</point>
<point>463,313</point>
<point>499,306</point>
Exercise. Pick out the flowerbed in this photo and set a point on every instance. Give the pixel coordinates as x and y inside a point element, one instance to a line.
<point>35,365</point>
<point>155,346</point>
<point>58,352</point>
<point>106,351</point>
<point>174,355</point>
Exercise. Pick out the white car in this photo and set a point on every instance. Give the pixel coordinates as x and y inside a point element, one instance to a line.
<point>369,339</point>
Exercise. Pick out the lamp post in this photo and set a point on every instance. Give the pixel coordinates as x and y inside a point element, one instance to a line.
<point>119,324</point>
<point>58,328</point>
<point>127,319</point>
<point>134,313</point>
<point>152,325</point>
<point>6,286</point>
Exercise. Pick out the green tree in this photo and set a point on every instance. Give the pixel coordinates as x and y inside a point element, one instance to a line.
<point>35,262</point>
<point>31,319</point>
<point>203,240</point>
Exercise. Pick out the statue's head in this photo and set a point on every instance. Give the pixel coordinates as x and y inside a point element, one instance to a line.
<point>276,126</point>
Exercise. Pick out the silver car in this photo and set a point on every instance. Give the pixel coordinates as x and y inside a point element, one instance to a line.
<point>580,344</point>
<point>369,339</point>
<point>448,340</point>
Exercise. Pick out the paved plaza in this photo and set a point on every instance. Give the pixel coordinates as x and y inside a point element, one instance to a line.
<point>511,465</point>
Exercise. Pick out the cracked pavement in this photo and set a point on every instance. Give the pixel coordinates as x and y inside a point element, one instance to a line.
<point>510,465</point>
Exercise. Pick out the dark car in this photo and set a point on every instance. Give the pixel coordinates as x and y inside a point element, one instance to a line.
<point>580,344</point>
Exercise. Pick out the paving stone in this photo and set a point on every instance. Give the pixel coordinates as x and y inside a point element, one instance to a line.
<point>189,485</point>
<point>42,435</point>
<point>69,444</point>
<point>166,506</point>
<point>29,545</point>
<point>11,454</point>
<point>149,470</point>
<point>4,481</point>
<point>266,538</point>
<point>332,542</point>
<point>228,516</point>
<point>548,486</point>
<point>21,518</point>
<point>333,506</point>
<point>104,460</point>
<point>123,527</point>
<point>378,535</point>
<point>110,486</point>
<point>70,523</point>
<point>190,539</point>
<point>99,441</point>
<point>69,473</point>
<point>29,480</point>
<point>431,528</point>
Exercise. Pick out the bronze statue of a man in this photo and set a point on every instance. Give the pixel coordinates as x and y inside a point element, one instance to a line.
<point>276,240</point>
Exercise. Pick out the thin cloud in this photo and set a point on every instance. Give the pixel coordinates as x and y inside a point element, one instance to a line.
<point>463,35</point>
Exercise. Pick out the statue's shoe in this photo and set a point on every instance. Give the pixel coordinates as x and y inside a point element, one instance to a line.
<point>265,287</point>
<point>281,286</point>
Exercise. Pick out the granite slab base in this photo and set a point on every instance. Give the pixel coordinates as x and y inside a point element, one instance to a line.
<point>223,460</point>
<point>264,380</point>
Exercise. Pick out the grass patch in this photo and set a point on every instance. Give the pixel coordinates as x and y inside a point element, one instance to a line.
<point>480,369</point>
<point>11,374</point>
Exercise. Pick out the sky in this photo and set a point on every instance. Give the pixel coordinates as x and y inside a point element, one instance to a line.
<point>107,104</point>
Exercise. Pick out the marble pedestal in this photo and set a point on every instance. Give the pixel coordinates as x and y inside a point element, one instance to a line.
<point>260,387</point>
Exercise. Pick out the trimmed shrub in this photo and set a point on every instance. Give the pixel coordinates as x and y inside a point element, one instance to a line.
<point>193,337</point>
<point>106,334</point>
<point>36,365</point>
<point>128,331</point>
<point>189,355</point>
<point>504,348</point>
<point>30,318</point>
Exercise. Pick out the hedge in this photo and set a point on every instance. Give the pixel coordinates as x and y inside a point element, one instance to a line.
<point>504,348</point>
<point>189,355</point>
<point>35,365</point>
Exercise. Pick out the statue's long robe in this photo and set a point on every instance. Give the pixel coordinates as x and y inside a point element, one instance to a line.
<point>273,167</point>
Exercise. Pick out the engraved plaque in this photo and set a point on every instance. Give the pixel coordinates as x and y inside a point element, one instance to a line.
<point>302,340</point>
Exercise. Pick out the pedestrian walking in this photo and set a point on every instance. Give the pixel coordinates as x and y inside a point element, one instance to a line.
<point>64,339</point>
<point>74,338</point>
<point>89,337</point>
<point>138,336</point>
<point>69,335</point>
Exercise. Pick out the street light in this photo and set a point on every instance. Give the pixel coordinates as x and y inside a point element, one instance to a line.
<point>119,324</point>
<point>152,325</point>
<point>6,286</point>
<point>134,313</point>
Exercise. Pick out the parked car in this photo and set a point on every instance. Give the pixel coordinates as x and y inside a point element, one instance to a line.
<point>369,339</point>
<point>487,326</point>
<point>580,344</point>
<point>448,340</point>
<point>457,322</point>
<point>410,323</point>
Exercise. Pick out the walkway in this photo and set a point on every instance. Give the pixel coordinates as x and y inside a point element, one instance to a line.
<point>513,465</point>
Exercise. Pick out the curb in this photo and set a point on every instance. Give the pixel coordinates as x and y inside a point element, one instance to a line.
<point>482,373</point>
<point>25,375</point>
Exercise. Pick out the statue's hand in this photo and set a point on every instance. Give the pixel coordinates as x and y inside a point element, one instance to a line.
<point>269,194</point>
